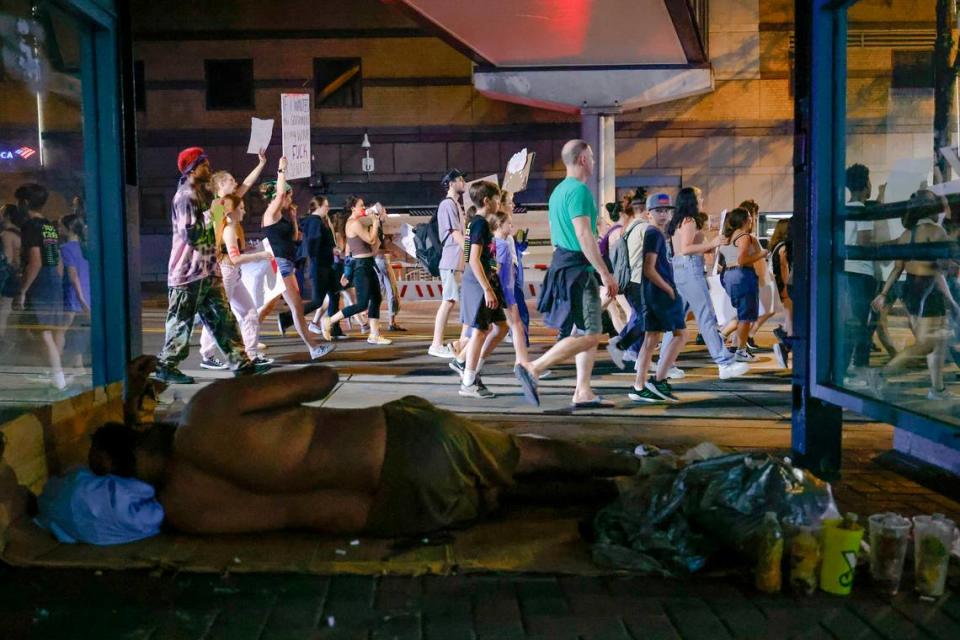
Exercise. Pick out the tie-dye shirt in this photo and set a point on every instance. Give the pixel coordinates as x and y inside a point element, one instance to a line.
<point>193,253</point>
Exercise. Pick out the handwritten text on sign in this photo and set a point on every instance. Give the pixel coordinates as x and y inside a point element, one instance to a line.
<point>295,119</point>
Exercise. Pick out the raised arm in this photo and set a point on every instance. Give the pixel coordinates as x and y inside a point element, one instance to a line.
<point>254,175</point>
<point>272,214</point>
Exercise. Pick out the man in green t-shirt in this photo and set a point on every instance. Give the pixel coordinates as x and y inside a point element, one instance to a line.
<point>570,298</point>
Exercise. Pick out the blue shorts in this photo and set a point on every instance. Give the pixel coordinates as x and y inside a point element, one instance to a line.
<point>660,313</point>
<point>743,287</point>
<point>286,267</point>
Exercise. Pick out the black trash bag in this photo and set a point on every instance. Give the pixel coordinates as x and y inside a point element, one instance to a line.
<point>671,523</point>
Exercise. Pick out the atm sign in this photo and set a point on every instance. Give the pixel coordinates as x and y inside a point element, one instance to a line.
<point>23,153</point>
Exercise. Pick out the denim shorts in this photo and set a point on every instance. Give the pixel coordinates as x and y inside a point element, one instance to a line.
<point>743,287</point>
<point>286,267</point>
<point>449,282</point>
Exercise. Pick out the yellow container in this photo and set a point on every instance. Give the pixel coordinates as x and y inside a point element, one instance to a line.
<point>840,548</point>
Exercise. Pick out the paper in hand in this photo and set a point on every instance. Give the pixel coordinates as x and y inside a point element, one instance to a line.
<point>261,131</point>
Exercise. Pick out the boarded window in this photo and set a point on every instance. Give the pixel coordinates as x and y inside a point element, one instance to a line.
<point>338,83</point>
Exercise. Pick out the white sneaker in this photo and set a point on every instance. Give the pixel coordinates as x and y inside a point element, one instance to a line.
<point>733,370</point>
<point>616,355</point>
<point>313,328</point>
<point>320,350</point>
<point>379,340</point>
<point>743,355</point>
<point>944,394</point>
<point>475,391</point>
<point>675,373</point>
<point>443,351</point>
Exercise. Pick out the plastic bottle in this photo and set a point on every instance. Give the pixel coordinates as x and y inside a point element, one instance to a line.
<point>767,575</point>
<point>804,561</point>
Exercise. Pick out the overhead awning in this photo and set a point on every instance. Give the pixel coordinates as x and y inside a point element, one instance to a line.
<point>570,54</point>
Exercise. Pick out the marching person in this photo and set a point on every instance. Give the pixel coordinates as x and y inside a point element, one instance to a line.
<point>280,229</point>
<point>570,298</point>
<point>191,285</point>
<point>362,241</point>
<point>450,225</point>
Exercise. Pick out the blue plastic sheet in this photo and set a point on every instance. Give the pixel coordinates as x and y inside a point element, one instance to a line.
<point>83,507</point>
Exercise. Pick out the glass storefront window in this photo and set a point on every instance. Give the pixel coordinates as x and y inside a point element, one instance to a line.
<point>897,320</point>
<point>45,276</point>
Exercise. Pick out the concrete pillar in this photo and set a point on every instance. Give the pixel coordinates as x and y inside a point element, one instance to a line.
<point>597,128</point>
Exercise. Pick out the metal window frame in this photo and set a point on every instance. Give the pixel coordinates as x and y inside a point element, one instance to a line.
<point>827,125</point>
<point>104,188</point>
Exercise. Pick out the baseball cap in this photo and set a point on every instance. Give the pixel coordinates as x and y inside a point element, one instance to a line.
<point>659,201</point>
<point>452,175</point>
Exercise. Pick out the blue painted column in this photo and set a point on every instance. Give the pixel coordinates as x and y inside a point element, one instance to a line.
<point>816,425</point>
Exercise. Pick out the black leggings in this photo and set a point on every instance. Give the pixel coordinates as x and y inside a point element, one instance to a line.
<point>367,284</point>
<point>325,283</point>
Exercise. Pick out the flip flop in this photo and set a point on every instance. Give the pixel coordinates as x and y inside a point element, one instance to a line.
<point>596,403</point>
<point>528,384</point>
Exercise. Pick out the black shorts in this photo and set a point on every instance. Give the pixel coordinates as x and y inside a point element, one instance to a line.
<point>922,298</point>
<point>474,311</point>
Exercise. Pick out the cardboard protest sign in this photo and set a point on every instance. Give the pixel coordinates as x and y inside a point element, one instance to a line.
<point>518,171</point>
<point>295,125</point>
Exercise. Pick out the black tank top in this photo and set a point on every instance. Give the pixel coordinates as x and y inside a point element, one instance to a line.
<point>280,235</point>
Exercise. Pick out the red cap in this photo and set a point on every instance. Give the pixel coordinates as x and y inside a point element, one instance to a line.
<point>188,157</point>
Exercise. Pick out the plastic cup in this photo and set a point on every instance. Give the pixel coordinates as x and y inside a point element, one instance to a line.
<point>889,538</point>
<point>932,539</point>
<point>840,547</point>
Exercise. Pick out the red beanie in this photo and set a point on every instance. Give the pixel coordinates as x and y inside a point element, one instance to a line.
<point>188,157</point>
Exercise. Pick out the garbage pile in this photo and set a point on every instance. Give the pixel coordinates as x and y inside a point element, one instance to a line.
<point>780,519</point>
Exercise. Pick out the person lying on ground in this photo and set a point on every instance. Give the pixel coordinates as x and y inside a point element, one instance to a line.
<point>249,456</point>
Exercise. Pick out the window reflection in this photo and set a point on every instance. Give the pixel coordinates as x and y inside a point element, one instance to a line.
<point>897,320</point>
<point>44,267</point>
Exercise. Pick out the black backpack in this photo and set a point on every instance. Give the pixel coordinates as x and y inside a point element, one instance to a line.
<point>426,240</point>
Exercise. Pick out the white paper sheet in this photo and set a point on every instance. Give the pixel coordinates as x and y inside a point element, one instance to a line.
<point>261,132</point>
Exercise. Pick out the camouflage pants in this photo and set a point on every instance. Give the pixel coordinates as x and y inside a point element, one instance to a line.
<point>207,299</point>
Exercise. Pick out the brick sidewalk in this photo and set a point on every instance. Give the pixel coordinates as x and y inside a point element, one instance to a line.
<point>73,604</point>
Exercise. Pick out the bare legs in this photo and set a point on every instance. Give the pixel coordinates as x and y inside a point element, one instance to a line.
<point>567,348</point>
<point>516,329</point>
<point>668,356</point>
<point>558,458</point>
<point>293,300</point>
<point>440,323</point>
<point>931,343</point>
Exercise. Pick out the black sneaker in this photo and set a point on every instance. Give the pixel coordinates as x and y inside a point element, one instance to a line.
<point>700,340</point>
<point>662,389</point>
<point>251,370</point>
<point>457,366</point>
<point>214,364</point>
<point>644,395</point>
<point>482,387</point>
<point>780,334</point>
<point>337,333</point>
<point>262,360</point>
<point>752,345</point>
<point>284,321</point>
<point>173,376</point>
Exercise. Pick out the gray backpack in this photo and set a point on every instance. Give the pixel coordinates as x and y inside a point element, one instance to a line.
<point>621,260</point>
